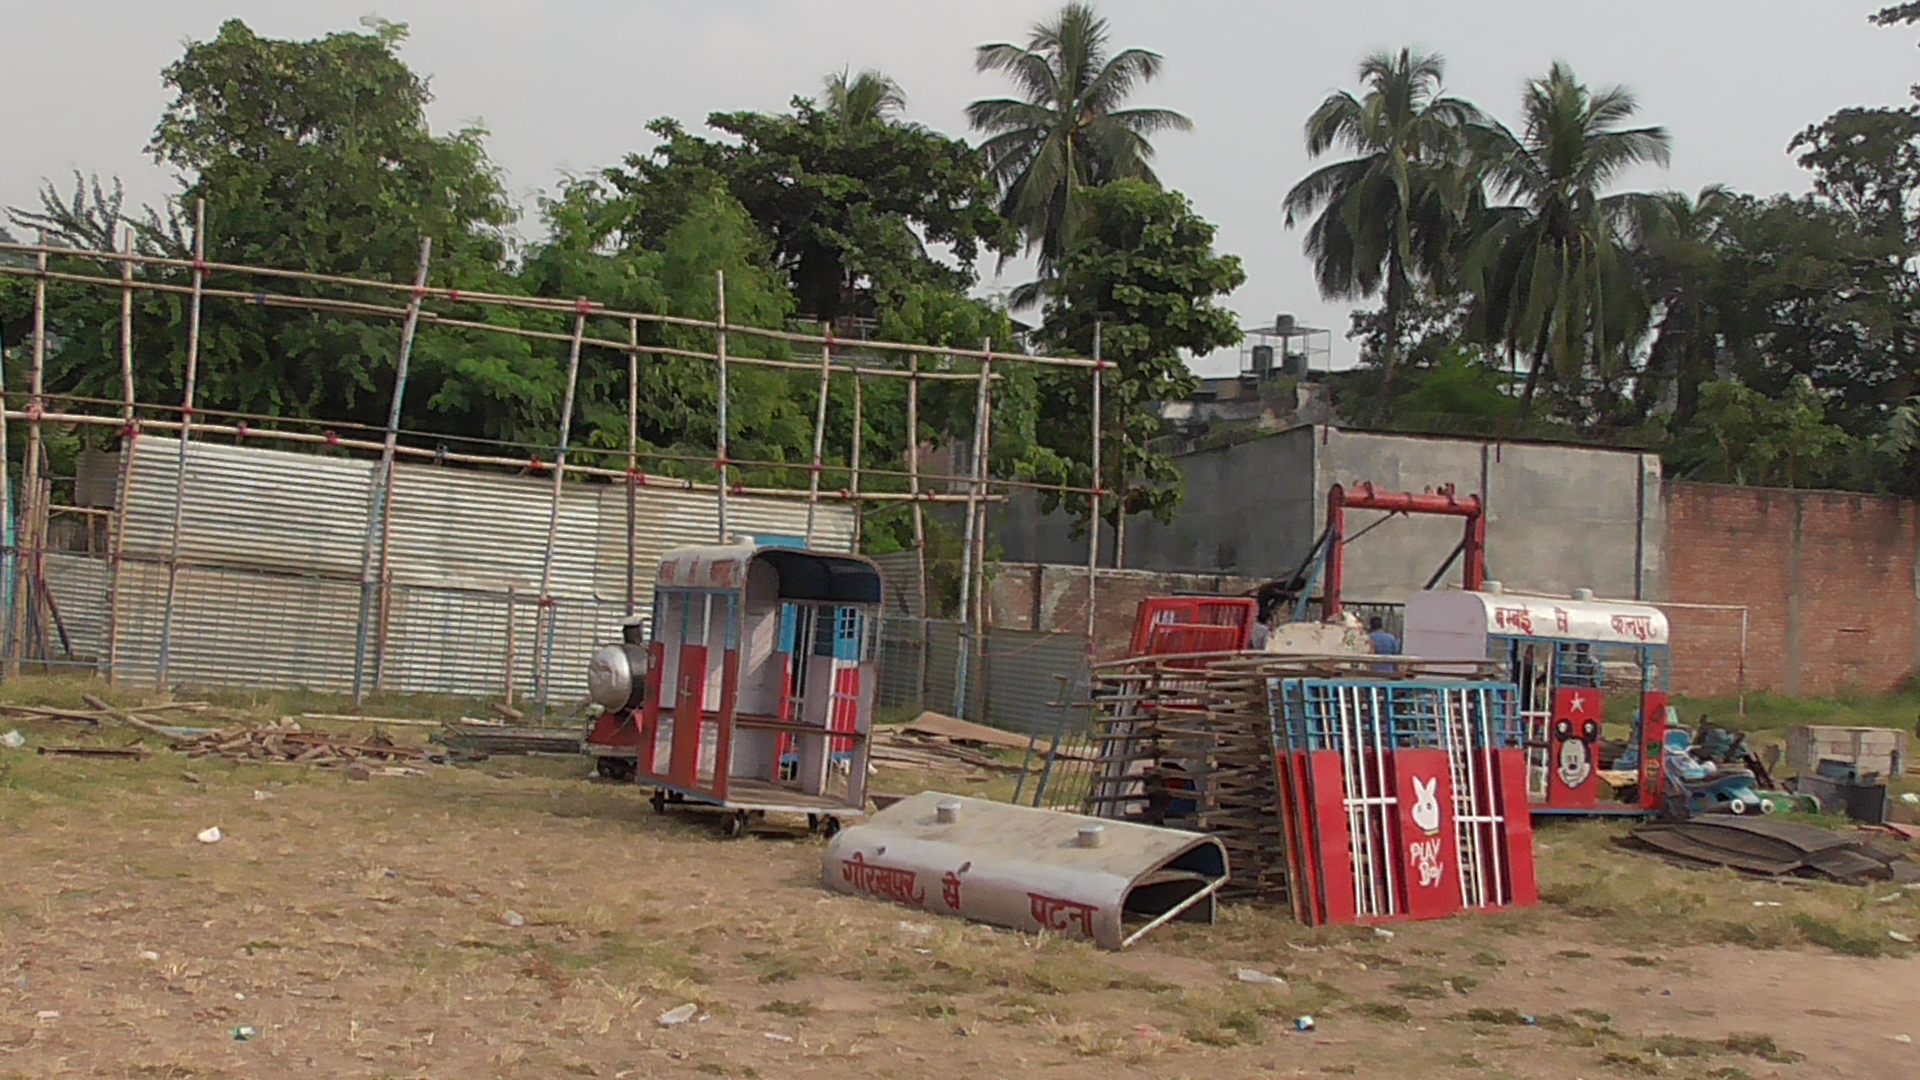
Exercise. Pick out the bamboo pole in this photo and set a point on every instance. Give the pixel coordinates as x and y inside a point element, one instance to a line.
<point>853,482</point>
<point>1093,503</point>
<point>720,439</point>
<point>186,437</point>
<point>507,690</point>
<point>543,639</point>
<point>633,465</point>
<point>379,492</point>
<point>913,490</point>
<point>26,604</point>
<point>973,492</point>
<point>128,435</point>
<point>971,627</point>
<point>819,439</point>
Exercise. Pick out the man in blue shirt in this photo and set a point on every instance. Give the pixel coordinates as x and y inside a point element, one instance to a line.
<point>1384,644</point>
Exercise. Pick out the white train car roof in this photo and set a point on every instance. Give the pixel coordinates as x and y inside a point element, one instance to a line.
<point>1441,624</point>
<point>804,574</point>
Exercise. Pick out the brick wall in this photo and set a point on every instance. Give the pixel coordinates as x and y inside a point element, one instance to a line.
<point>1829,581</point>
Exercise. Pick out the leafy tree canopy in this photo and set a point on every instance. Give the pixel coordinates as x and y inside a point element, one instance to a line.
<point>1143,270</point>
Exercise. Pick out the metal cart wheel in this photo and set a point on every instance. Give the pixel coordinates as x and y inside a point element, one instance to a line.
<point>813,823</point>
<point>734,825</point>
<point>831,828</point>
<point>659,801</point>
<point>611,768</point>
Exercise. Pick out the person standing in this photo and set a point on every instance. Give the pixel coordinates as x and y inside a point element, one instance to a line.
<point>1384,643</point>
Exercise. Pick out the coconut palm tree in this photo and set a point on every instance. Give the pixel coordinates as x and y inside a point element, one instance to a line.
<point>1067,131</point>
<point>1680,243</point>
<point>870,97</point>
<point>1390,212</point>
<point>1551,270</point>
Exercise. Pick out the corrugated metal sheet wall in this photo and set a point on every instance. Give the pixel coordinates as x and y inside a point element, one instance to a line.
<point>271,549</point>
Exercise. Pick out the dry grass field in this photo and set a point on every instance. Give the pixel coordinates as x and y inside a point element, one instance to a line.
<point>515,919</point>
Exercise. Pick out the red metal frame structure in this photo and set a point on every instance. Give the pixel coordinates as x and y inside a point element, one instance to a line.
<point>1191,624</point>
<point>1364,496</point>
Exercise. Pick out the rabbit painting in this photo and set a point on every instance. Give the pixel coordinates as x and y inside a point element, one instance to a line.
<point>1426,805</point>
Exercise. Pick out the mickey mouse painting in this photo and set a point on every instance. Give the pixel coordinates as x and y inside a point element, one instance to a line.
<point>1575,745</point>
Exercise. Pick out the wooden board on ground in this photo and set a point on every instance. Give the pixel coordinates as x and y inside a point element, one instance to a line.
<point>946,727</point>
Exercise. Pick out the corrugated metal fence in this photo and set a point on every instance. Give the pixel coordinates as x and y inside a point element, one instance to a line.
<point>272,546</point>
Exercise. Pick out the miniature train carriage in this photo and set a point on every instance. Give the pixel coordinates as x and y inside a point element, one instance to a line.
<point>756,683</point>
<point>1565,657</point>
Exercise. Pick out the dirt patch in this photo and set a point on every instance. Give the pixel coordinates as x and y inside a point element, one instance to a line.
<point>518,920</point>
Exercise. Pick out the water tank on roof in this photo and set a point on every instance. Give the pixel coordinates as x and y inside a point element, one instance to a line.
<point>1283,324</point>
<point>1262,359</point>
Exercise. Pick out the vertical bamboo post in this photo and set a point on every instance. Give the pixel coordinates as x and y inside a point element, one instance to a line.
<point>186,437</point>
<point>853,483</point>
<point>971,628</point>
<point>1093,502</point>
<point>633,463</point>
<point>973,488</point>
<point>118,523</point>
<point>372,566</point>
<point>512,638</point>
<point>27,556</point>
<point>819,434</point>
<point>543,638</point>
<point>913,483</point>
<point>720,354</point>
<point>919,519</point>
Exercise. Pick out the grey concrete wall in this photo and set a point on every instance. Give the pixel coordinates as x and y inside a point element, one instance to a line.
<point>1248,511</point>
<point>1396,558</point>
<point>1559,517</point>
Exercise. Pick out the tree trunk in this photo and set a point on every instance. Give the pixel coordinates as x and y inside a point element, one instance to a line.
<point>1392,310</point>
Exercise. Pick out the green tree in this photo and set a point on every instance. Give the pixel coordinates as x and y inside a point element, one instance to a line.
<point>1741,436</point>
<point>1391,213</point>
<point>316,156</point>
<point>1550,270</point>
<point>849,202</point>
<point>1144,271</point>
<point>1067,131</point>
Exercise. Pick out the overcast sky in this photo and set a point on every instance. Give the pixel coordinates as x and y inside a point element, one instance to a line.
<point>568,85</point>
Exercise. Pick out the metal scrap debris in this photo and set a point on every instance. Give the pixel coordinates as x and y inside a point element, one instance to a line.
<point>478,741</point>
<point>1774,848</point>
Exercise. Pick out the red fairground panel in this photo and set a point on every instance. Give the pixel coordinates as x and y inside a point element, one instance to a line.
<point>1414,810</point>
<point>1653,742</point>
<point>1429,850</point>
<point>1573,737</point>
<point>1167,625</point>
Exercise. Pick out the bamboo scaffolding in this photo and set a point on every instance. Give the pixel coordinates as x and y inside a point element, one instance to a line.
<point>1093,503</point>
<point>128,441</point>
<point>633,465</point>
<point>547,613</point>
<point>373,567</point>
<point>26,604</point>
<point>819,438</point>
<point>663,483</point>
<point>186,435</point>
<point>547,304</point>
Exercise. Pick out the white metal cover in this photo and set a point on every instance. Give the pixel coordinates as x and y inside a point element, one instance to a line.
<point>1027,869</point>
<point>1455,625</point>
